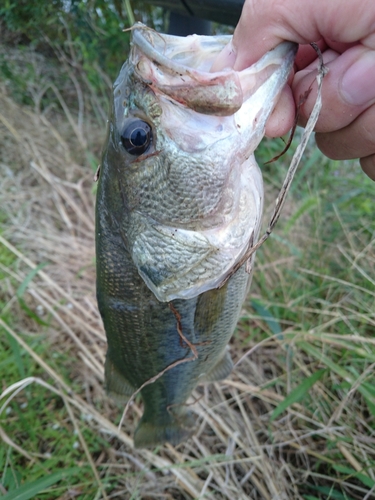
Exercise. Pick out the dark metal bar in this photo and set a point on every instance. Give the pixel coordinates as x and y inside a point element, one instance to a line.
<point>221,11</point>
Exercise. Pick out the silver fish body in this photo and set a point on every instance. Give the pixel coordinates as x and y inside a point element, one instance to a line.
<point>179,198</point>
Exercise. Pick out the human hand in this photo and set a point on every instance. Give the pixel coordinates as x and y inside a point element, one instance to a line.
<point>345,33</point>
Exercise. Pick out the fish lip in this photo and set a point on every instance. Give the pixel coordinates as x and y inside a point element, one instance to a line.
<point>139,39</point>
<point>281,51</point>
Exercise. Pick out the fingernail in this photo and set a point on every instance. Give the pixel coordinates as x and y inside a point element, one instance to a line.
<point>357,84</point>
<point>225,59</point>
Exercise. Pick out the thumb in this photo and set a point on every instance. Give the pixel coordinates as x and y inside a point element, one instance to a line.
<point>266,23</point>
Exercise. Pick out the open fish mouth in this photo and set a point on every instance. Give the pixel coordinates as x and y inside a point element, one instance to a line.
<point>207,131</point>
<point>180,68</point>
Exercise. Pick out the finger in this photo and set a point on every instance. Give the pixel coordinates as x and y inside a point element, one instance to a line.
<point>282,117</point>
<point>357,140</point>
<point>368,166</point>
<point>264,24</point>
<point>348,88</point>
<point>307,54</point>
<point>339,47</point>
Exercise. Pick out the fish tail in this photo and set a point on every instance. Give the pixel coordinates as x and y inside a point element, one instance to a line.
<point>174,431</point>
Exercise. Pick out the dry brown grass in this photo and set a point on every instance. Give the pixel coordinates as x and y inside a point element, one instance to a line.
<point>47,196</point>
<point>51,207</point>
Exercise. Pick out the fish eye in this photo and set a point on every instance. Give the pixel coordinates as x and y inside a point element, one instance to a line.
<point>136,137</point>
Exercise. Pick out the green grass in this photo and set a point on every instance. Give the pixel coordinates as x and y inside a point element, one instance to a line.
<point>323,300</point>
<point>38,419</point>
<point>315,311</point>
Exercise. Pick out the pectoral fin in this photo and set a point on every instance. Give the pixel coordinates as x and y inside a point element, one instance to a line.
<point>116,384</point>
<point>221,370</point>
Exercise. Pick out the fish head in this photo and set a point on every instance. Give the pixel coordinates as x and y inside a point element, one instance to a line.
<point>181,180</point>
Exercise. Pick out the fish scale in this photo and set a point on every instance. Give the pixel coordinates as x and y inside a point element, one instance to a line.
<point>179,198</point>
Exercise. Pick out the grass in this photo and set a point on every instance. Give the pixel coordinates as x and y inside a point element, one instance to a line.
<point>296,419</point>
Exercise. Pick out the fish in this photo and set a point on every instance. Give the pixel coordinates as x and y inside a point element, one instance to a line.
<point>179,198</point>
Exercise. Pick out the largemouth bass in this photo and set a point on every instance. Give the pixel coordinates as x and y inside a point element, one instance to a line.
<point>179,198</point>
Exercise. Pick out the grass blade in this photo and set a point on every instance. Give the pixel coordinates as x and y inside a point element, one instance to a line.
<point>22,289</point>
<point>305,207</point>
<point>265,314</point>
<point>297,393</point>
<point>129,12</point>
<point>342,372</point>
<point>330,493</point>
<point>23,286</point>
<point>30,490</point>
<point>366,480</point>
